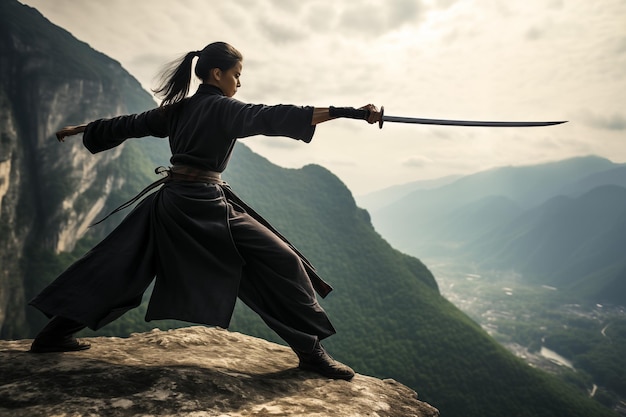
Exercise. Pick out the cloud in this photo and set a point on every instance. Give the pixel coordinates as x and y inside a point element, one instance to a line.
<point>614,121</point>
<point>403,11</point>
<point>371,19</point>
<point>280,32</point>
<point>320,18</point>
<point>620,47</point>
<point>444,4</point>
<point>534,33</point>
<point>416,161</point>
<point>427,58</point>
<point>156,61</point>
<point>288,5</point>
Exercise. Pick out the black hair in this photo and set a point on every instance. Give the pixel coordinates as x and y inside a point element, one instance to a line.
<point>176,77</point>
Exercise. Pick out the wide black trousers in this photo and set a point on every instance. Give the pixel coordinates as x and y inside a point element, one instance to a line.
<point>275,284</point>
<point>206,248</point>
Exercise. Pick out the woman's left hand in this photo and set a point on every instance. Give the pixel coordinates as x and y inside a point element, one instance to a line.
<point>69,131</point>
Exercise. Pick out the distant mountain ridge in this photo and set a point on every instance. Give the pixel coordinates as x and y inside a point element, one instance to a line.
<point>387,196</point>
<point>558,223</point>
<point>574,243</point>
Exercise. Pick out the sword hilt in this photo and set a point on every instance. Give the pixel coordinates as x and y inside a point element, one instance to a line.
<point>352,113</point>
<point>348,112</point>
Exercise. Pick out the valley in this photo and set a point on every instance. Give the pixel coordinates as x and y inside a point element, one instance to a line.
<point>580,343</point>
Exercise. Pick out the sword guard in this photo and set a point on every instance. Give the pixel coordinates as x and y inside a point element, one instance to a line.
<point>382,113</point>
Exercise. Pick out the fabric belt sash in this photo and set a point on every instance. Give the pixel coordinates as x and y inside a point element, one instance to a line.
<point>187,173</point>
<point>175,173</point>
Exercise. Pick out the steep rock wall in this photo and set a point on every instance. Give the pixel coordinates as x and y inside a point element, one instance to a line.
<point>50,192</point>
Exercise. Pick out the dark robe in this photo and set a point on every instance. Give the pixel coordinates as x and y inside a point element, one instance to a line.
<point>203,244</point>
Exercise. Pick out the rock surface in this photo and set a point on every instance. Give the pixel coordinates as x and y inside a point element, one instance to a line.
<point>193,371</point>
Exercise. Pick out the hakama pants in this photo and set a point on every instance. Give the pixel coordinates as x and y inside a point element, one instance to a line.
<point>275,284</point>
<point>206,248</point>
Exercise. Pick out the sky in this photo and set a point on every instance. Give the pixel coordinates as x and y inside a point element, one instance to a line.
<point>448,59</point>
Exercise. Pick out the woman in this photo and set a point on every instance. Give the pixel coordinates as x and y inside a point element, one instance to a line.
<point>205,246</point>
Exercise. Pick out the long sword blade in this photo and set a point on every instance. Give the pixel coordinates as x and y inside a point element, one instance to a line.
<point>444,122</point>
<point>353,113</point>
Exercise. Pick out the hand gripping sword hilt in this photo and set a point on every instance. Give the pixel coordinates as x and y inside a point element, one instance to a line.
<point>352,113</point>
<point>348,112</point>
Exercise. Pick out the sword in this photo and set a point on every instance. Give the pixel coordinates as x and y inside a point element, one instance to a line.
<point>352,113</point>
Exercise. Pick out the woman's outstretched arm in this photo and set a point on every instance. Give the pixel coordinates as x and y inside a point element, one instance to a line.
<point>322,114</point>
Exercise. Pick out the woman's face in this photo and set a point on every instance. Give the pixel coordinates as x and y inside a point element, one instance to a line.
<point>228,81</point>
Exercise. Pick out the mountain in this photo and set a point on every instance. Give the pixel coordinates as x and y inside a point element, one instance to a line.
<point>183,372</point>
<point>559,223</point>
<point>573,243</point>
<point>49,192</point>
<point>427,214</point>
<point>381,198</point>
<point>392,321</point>
<point>612,176</point>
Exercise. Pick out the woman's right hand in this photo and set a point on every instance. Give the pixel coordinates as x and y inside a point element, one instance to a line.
<point>374,115</point>
<point>69,131</point>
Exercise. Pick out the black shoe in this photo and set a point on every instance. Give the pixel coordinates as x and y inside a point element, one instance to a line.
<point>58,336</point>
<point>322,363</point>
<point>66,345</point>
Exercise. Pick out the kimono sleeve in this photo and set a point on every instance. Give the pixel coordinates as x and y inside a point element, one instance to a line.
<point>104,134</point>
<point>242,120</point>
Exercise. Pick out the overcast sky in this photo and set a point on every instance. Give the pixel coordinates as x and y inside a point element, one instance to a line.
<point>465,59</point>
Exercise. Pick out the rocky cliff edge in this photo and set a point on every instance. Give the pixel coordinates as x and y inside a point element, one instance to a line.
<point>193,371</point>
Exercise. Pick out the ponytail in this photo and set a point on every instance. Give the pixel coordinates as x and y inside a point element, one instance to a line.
<point>175,79</point>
